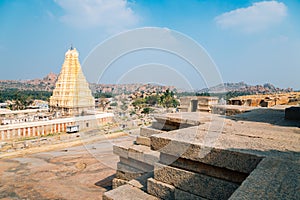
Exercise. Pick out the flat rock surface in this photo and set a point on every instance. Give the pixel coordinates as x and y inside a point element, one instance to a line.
<point>82,172</point>
<point>128,192</point>
<point>261,132</point>
<point>272,179</point>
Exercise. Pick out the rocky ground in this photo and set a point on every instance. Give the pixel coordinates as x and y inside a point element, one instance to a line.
<point>80,172</point>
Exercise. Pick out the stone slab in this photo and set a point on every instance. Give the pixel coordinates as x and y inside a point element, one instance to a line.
<point>141,181</point>
<point>121,149</point>
<point>127,172</point>
<point>160,190</point>
<point>272,179</point>
<point>137,164</point>
<point>118,182</point>
<point>197,184</point>
<point>127,192</point>
<point>182,195</point>
<point>193,119</point>
<point>148,131</point>
<point>143,141</point>
<point>229,159</point>
<point>202,168</point>
<point>143,154</point>
<point>164,126</point>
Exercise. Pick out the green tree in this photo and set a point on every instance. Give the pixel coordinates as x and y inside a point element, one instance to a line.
<point>139,103</point>
<point>147,110</point>
<point>152,100</point>
<point>168,100</point>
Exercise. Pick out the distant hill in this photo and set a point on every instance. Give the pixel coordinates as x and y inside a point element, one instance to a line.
<point>243,87</point>
<point>48,84</point>
<point>45,84</point>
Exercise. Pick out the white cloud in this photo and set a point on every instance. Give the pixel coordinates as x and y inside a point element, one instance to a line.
<point>255,18</point>
<point>110,14</point>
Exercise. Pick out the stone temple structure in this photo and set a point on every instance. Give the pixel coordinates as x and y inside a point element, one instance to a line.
<point>71,95</point>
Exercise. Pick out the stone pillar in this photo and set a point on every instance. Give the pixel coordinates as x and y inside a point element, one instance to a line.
<point>19,132</point>
<point>2,135</point>
<point>43,130</point>
<point>14,133</point>
<point>33,131</point>
<point>8,134</point>
<point>24,132</point>
<point>58,127</point>
<point>29,133</point>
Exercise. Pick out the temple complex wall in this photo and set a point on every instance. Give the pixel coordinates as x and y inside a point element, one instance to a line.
<point>41,128</point>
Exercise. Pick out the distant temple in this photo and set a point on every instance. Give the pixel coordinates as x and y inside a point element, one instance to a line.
<point>71,95</point>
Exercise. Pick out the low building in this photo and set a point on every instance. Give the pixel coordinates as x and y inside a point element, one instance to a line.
<point>197,103</point>
<point>43,128</point>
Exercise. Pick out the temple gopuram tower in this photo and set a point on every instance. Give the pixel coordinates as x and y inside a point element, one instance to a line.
<point>71,95</point>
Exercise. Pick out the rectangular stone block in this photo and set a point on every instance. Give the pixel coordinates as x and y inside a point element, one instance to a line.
<point>197,184</point>
<point>148,131</point>
<point>163,126</point>
<point>160,190</point>
<point>121,149</point>
<point>118,182</point>
<point>151,157</point>
<point>143,140</point>
<point>272,179</point>
<point>202,168</point>
<point>143,154</point>
<point>137,164</point>
<point>182,195</point>
<point>127,173</point>
<point>141,181</point>
<point>177,144</point>
<point>127,192</point>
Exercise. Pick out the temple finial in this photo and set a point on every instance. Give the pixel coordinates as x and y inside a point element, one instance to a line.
<point>71,48</point>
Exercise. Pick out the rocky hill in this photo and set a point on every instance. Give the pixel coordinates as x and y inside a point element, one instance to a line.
<point>48,84</point>
<point>45,84</point>
<point>243,87</point>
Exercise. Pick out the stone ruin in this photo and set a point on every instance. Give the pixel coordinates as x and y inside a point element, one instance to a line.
<point>197,103</point>
<point>208,156</point>
<point>268,100</point>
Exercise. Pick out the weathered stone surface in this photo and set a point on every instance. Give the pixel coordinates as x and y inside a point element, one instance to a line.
<point>143,154</point>
<point>292,113</point>
<point>182,195</point>
<point>233,160</point>
<point>160,190</point>
<point>272,179</point>
<point>192,119</point>
<point>122,149</point>
<point>148,131</point>
<point>141,181</point>
<point>198,184</point>
<point>127,172</point>
<point>137,164</point>
<point>118,182</point>
<point>143,140</point>
<point>202,168</point>
<point>127,192</point>
<point>164,126</point>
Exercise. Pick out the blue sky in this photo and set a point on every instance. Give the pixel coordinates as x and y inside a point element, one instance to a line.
<point>252,41</point>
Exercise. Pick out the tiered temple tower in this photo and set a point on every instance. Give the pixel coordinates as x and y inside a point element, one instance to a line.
<point>71,95</point>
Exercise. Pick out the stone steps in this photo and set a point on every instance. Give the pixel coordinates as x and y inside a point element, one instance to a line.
<point>127,192</point>
<point>194,183</point>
